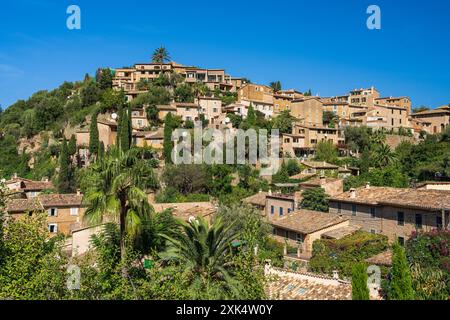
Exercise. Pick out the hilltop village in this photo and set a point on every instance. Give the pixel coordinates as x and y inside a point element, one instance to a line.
<point>361,176</point>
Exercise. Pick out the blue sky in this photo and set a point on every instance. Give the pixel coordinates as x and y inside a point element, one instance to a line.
<point>323,44</point>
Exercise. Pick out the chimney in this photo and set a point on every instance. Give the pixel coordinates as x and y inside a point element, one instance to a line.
<point>367,185</point>
<point>323,180</point>
<point>270,192</point>
<point>15,175</point>
<point>260,190</point>
<point>352,193</point>
<point>78,192</point>
<point>336,274</point>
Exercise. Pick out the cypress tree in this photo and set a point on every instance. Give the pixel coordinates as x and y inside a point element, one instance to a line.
<point>64,183</point>
<point>119,126</point>
<point>125,129</point>
<point>101,150</point>
<point>401,282</point>
<point>167,145</point>
<point>72,145</point>
<point>251,116</point>
<point>93,135</point>
<point>360,291</point>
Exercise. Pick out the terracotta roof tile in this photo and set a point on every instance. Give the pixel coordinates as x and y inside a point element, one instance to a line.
<point>61,200</point>
<point>412,198</point>
<point>307,221</point>
<point>24,205</point>
<point>258,199</point>
<point>286,285</point>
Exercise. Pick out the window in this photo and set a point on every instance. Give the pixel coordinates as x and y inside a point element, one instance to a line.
<point>281,211</point>
<point>339,207</point>
<point>214,110</point>
<point>53,228</point>
<point>401,241</point>
<point>73,211</point>
<point>286,234</point>
<point>400,218</point>
<point>53,212</point>
<point>289,210</point>
<point>439,222</point>
<point>372,231</point>
<point>272,209</point>
<point>372,212</point>
<point>353,209</point>
<point>418,221</point>
<point>299,238</point>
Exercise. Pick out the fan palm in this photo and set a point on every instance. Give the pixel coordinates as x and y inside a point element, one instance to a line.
<point>204,250</point>
<point>115,187</point>
<point>384,156</point>
<point>160,55</point>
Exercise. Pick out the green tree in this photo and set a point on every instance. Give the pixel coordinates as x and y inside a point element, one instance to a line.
<point>184,93</point>
<point>401,282</point>
<point>276,86</point>
<point>282,176</point>
<point>251,116</point>
<point>308,93</point>
<point>315,199</point>
<point>33,266</point>
<point>124,129</point>
<point>90,94</point>
<point>103,77</point>
<point>293,167</point>
<point>204,250</point>
<point>326,151</point>
<point>360,291</point>
<point>65,175</point>
<point>168,144</point>
<point>283,122</point>
<point>115,185</point>
<point>383,156</point>
<point>93,135</point>
<point>72,147</point>
<point>160,55</point>
<point>112,100</point>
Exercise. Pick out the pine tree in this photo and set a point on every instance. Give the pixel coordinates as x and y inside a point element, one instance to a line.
<point>72,145</point>
<point>360,290</point>
<point>167,145</point>
<point>93,135</point>
<point>401,282</point>
<point>251,116</point>
<point>64,177</point>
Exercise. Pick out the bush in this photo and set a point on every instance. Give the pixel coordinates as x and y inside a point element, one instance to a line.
<point>342,254</point>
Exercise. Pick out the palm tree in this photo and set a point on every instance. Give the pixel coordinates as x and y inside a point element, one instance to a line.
<point>204,250</point>
<point>160,55</point>
<point>378,138</point>
<point>115,187</point>
<point>383,156</point>
<point>200,89</point>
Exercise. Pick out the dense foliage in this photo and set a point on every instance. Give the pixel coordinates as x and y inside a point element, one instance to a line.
<point>342,254</point>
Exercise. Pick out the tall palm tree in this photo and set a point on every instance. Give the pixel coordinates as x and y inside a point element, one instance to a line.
<point>160,55</point>
<point>115,187</point>
<point>204,250</point>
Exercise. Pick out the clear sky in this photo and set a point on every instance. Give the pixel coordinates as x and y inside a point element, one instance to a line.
<point>323,45</point>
